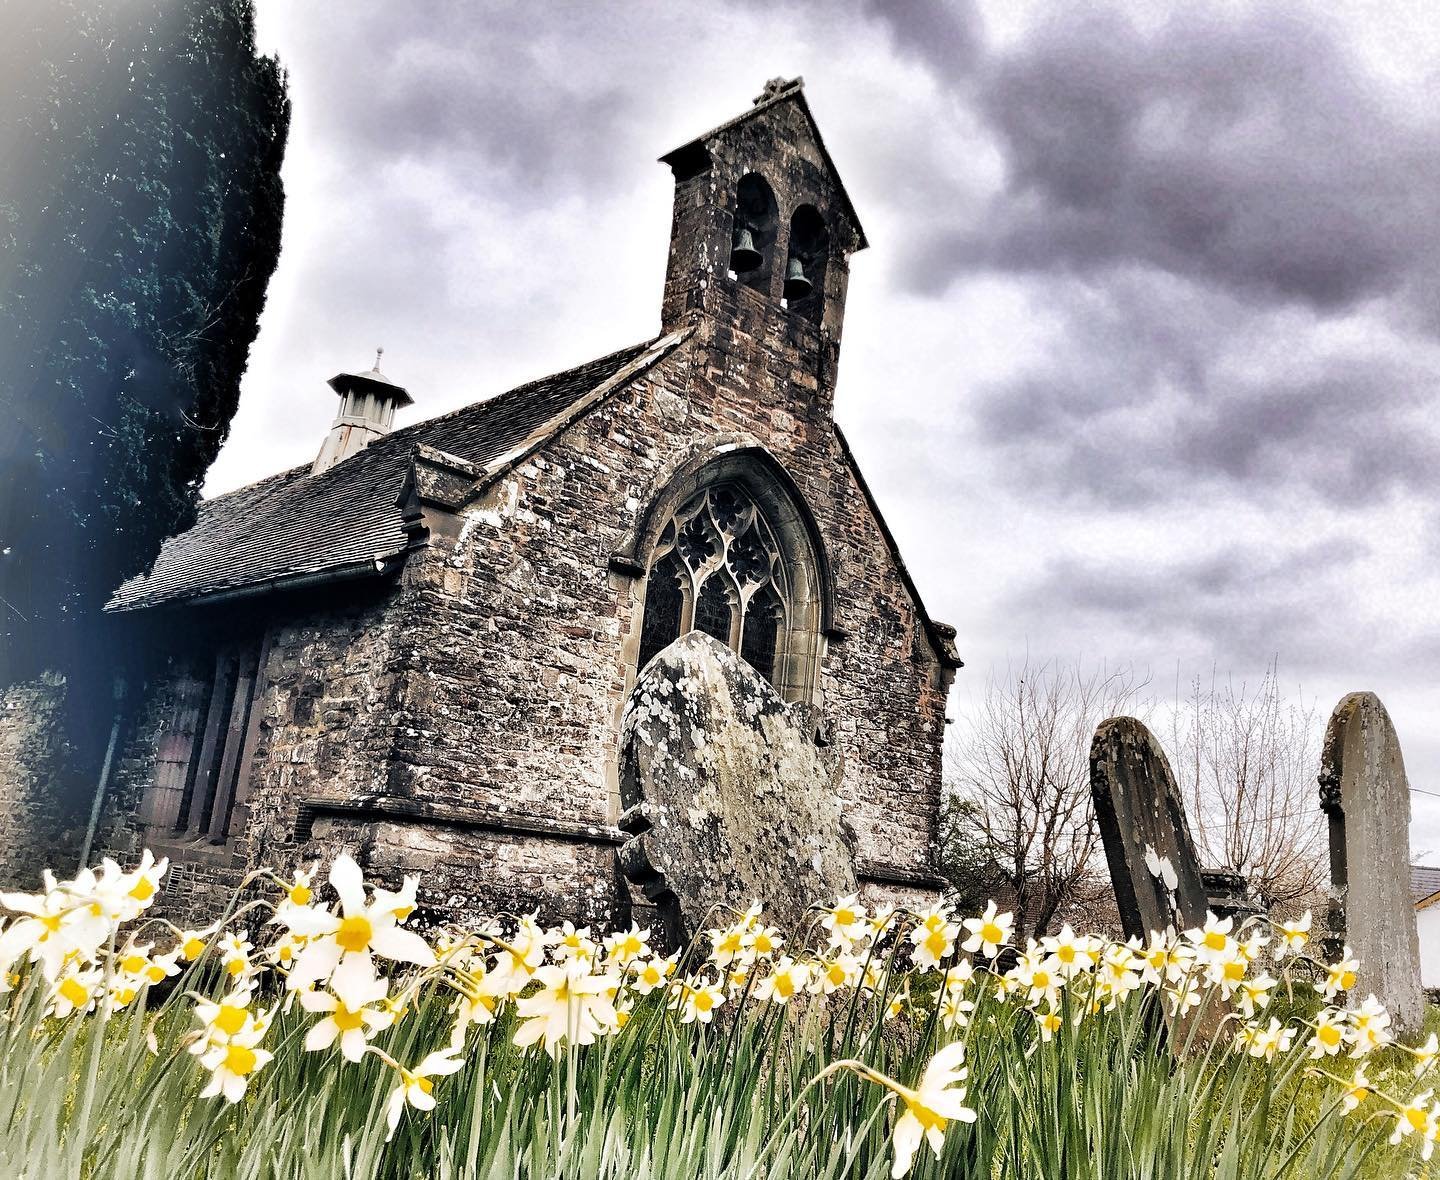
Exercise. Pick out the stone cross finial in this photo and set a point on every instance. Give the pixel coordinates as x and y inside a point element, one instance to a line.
<point>1365,794</point>
<point>776,86</point>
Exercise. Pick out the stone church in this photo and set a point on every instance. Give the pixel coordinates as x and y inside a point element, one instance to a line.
<point>421,645</point>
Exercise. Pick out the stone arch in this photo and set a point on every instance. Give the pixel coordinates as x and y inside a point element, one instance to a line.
<point>799,597</point>
<point>807,255</point>
<point>755,220</point>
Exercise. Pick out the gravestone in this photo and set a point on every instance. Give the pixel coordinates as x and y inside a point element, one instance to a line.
<point>729,797</point>
<point>1147,837</point>
<point>1366,796</point>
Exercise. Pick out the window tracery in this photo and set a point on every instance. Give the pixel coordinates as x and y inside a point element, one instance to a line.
<point>717,568</point>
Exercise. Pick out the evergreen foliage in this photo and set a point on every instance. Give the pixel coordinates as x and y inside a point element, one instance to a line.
<point>140,210</point>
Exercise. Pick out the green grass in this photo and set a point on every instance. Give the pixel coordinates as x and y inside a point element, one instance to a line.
<point>1108,1098</point>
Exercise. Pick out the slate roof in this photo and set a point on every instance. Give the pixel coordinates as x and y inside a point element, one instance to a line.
<point>294,524</point>
<point>1424,882</point>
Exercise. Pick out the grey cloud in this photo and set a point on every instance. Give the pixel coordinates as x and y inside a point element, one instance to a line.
<point>1249,151</point>
<point>1157,390</point>
<point>944,34</point>
<point>1239,598</point>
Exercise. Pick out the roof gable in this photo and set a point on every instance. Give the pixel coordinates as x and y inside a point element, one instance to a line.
<point>790,92</point>
<point>295,525</point>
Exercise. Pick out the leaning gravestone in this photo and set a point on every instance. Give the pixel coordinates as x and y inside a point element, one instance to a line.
<point>1147,838</point>
<point>1365,794</point>
<point>729,797</point>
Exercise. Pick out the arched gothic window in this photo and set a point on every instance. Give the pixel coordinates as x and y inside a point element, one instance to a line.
<point>717,568</point>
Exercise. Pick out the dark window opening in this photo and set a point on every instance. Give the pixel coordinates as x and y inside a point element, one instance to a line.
<point>761,639</point>
<point>804,289</point>
<point>752,241</point>
<point>664,604</point>
<point>712,611</point>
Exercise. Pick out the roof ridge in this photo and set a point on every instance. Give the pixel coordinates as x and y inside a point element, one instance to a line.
<point>523,387</point>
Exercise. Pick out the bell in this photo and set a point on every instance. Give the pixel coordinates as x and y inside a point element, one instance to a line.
<point>797,286</point>
<point>745,257</point>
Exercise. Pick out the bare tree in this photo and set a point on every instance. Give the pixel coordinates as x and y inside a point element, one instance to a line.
<point>1021,762</point>
<point>1246,764</point>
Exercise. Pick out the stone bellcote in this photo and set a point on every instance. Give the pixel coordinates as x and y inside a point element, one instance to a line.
<point>763,231</point>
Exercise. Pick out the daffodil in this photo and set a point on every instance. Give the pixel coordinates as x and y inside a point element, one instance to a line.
<point>1369,1027</point>
<point>1049,1024</point>
<point>1356,1090</point>
<point>1212,942</point>
<point>51,929</point>
<point>340,947</point>
<point>988,933</point>
<point>235,955</point>
<point>192,943</point>
<point>1329,1036</point>
<point>1032,971</point>
<point>416,1088</point>
<point>696,1000</point>
<point>224,1019</point>
<point>651,973</point>
<point>726,944</point>
<point>933,938</point>
<point>937,1100</point>
<point>1070,954</point>
<point>1254,994</point>
<point>625,946</point>
<point>1425,1054</point>
<point>77,989</point>
<point>762,942</point>
<point>575,946</point>
<point>1266,1041</point>
<point>572,1005</point>
<point>352,1024</point>
<point>232,1063</point>
<point>1417,1118</point>
<point>1339,976</point>
<point>831,974</point>
<point>786,980</point>
<point>1293,935</point>
<point>845,921</point>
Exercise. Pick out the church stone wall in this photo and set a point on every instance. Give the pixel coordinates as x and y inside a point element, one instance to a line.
<point>40,825</point>
<point>530,637</point>
<point>325,732</point>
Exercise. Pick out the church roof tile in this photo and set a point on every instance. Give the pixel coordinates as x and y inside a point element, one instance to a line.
<point>295,524</point>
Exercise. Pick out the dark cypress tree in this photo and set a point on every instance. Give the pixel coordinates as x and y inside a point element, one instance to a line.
<point>140,208</point>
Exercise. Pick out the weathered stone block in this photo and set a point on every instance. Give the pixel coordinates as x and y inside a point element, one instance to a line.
<point>730,799</point>
<point>1365,793</point>
<point>1147,837</point>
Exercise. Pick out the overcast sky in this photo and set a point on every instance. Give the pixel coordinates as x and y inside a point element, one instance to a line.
<point>1142,361</point>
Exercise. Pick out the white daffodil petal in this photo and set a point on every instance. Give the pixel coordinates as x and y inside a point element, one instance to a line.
<point>404,946</point>
<point>354,980</point>
<point>322,1036</point>
<point>348,882</point>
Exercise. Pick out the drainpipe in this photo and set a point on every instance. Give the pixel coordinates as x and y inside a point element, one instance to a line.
<point>119,692</point>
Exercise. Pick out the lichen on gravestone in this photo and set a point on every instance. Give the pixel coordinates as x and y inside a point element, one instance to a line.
<point>1366,795</point>
<point>729,798</point>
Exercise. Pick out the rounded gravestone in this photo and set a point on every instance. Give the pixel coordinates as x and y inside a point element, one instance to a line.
<point>729,798</point>
<point>1366,795</point>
